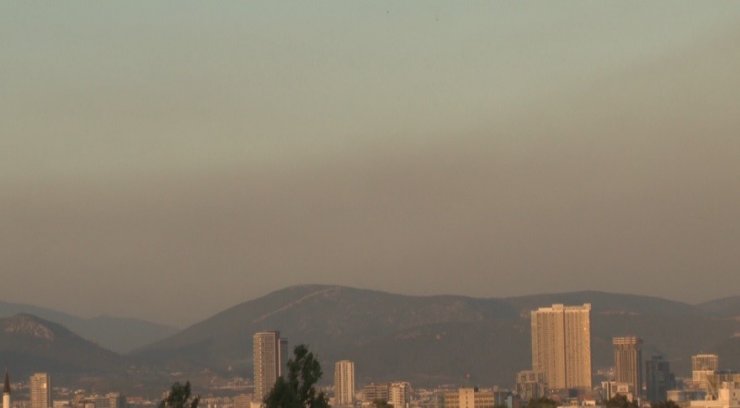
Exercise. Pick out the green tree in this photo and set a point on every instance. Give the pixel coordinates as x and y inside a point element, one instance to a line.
<point>179,397</point>
<point>298,389</point>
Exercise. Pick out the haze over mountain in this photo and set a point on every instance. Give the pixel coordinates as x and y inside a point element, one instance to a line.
<point>436,339</point>
<point>169,161</point>
<point>113,333</point>
<point>30,344</point>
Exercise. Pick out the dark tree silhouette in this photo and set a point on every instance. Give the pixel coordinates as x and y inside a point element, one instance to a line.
<point>542,402</point>
<point>179,397</point>
<point>381,403</point>
<point>664,404</point>
<point>298,389</point>
<point>621,401</point>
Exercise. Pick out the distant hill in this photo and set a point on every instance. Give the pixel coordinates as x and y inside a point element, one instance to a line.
<point>114,333</point>
<point>726,307</point>
<point>433,339</point>
<point>29,343</point>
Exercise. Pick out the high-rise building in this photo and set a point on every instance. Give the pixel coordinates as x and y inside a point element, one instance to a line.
<point>628,362</point>
<point>399,394</point>
<point>530,385</point>
<point>658,379</point>
<point>6,391</point>
<point>561,345</point>
<point>705,362</point>
<point>704,368</point>
<point>269,361</point>
<point>344,383</point>
<point>40,384</point>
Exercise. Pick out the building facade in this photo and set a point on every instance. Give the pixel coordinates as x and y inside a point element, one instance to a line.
<point>468,398</point>
<point>270,357</point>
<point>6,391</point>
<point>561,345</point>
<point>628,362</point>
<point>658,379</point>
<point>399,394</point>
<point>40,388</point>
<point>530,385</point>
<point>344,383</point>
<point>704,368</point>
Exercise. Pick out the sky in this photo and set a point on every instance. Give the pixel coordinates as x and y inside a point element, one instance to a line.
<point>166,160</point>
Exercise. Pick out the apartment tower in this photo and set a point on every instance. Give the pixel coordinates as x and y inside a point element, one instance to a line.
<point>40,384</point>
<point>344,383</point>
<point>561,345</point>
<point>658,379</point>
<point>628,362</point>
<point>270,357</point>
<point>704,369</point>
<point>6,392</point>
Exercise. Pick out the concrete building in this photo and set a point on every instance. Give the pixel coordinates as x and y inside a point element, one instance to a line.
<point>658,379</point>
<point>561,345</point>
<point>344,383</point>
<point>6,391</point>
<point>728,396</point>
<point>372,392</point>
<point>530,384</point>
<point>704,368</point>
<point>270,357</point>
<point>40,388</point>
<point>399,394</point>
<point>610,389</point>
<point>628,362</point>
<point>468,398</point>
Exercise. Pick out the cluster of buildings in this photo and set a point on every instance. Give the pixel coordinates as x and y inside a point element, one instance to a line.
<point>561,370</point>
<point>561,367</point>
<point>40,396</point>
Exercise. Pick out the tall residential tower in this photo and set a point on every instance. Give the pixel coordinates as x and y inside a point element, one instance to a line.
<point>40,384</point>
<point>658,379</point>
<point>628,362</point>
<point>6,392</point>
<point>344,383</point>
<point>561,345</point>
<point>270,357</point>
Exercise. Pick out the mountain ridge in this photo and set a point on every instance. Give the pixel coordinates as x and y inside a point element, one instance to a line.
<point>119,334</point>
<point>430,337</point>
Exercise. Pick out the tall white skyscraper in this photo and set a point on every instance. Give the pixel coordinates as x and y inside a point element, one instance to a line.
<point>344,383</point>
<point>40,390</point>
<point>6,391</point>
<point>561,345</point>
<point>269,356</point>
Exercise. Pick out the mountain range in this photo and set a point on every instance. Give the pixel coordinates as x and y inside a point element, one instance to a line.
<point>114,333</point>
<point>428,340</point>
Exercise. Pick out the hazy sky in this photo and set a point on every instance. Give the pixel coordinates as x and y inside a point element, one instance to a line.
<point>166,160</point>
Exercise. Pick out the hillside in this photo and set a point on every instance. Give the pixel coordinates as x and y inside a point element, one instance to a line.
<point>29,343</point>
<point>114,333</point>
<point>432,339</point>
<point>725,307</point>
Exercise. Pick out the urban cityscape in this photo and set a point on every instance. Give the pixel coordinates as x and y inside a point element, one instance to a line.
<point>560,373</point>
<point>370,204</point>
